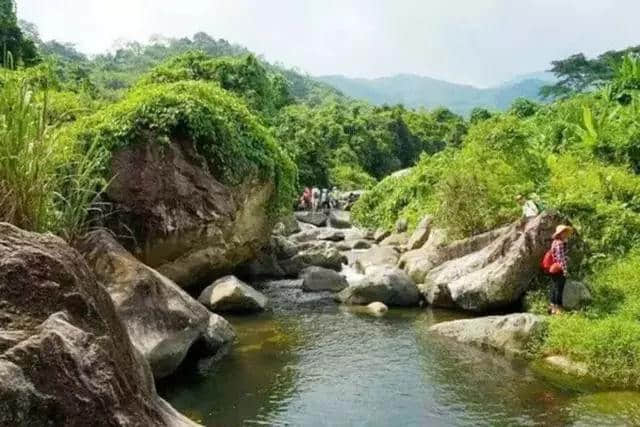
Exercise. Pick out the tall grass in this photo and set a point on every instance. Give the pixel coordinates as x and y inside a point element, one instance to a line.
<point>45,184</point>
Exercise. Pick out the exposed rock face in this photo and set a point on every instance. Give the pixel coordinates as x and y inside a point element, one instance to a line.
<point>65,356</point>
<point>339,219</point>
<point>567,366</point>
<point>575,295</point>
<point>511,334</point>
<point>420,234</point>
<point>319,219</point>
<point>287,226</point>
<point>495,275</point>
<point>185,223</point>
<point>436,295</point>
<point>376,257</point>
<point>322,279</point>
<point>230,295</point>
<point>388,285</point>
<point>349,245</point>
<point>162,320</point>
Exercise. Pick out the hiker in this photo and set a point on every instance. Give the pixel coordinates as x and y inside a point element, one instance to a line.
<point>529,207</point>
<point>324,199</point>
<point>333,198</point>
<point>315,199</point>
<point>554,264</point>
<point>305,199</point>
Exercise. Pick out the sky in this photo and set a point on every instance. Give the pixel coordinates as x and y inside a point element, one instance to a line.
<point>478,42</point>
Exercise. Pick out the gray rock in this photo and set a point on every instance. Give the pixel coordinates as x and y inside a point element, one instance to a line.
<point>322,279</point>
<point>326,256</point>
<point>380,235</point>
<point>388,285</point>
<point>339,219</point>
<point>498,274</point>
<point>377,308</point>
<point>73,363</point>
<point>395,239</point>
<point>376,257</point>
<point>219,334</point>
<point>575,295</point>
<point>230,295</point>
<point>436,295</point>
<point>349,245</point>
<point>326,234</point>
<point>512,334</point>
<point>163,334</point>
<point>319,219</point>
<point>402,225</point>
<point>287,226</point>
<point>567,366</point>
<point>420,234</point>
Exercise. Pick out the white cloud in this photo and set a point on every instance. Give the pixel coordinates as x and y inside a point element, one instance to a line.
<point>481,42</point>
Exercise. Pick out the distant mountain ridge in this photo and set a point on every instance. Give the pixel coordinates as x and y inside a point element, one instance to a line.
<point>418,91</point>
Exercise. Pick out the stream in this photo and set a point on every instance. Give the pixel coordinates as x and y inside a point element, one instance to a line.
<point>310,362</point>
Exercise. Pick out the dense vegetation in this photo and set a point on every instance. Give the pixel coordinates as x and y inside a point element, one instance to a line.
<point>578,155</point>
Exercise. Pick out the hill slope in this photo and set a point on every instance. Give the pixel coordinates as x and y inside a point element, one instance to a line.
<point>417,91</point>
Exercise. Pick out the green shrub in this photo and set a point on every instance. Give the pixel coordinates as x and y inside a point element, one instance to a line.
<point>225,133</point>
<point>348,177</point>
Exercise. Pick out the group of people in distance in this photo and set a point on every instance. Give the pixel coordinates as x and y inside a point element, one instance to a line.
<point>555,260</point>
<point>314,199</point>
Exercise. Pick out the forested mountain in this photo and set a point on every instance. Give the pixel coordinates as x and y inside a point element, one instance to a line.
<point>416,91</point>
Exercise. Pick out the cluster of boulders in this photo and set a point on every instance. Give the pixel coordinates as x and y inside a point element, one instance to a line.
<point>85,331</point>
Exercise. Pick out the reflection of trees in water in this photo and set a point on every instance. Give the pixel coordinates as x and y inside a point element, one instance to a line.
<point>253,382</point>
<point>485,388</point>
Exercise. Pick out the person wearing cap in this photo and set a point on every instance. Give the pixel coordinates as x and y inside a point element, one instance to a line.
<point>558,269</point>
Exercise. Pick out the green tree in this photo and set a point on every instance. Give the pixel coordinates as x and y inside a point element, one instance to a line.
<point>12,41</point>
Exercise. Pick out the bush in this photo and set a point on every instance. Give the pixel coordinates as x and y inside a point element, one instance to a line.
<point>348,178</point>
<point>225,133</point>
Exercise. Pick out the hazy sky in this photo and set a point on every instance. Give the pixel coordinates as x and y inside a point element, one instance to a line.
<point>481,42</point>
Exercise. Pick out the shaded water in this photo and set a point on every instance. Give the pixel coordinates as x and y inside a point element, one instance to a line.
<point>309,362</point>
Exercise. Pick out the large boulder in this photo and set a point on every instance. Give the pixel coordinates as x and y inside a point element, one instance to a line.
<point>514,334</point>
<point>65,356</point>
<point>575,295</point>
<point>339,219</point>
<point>230,295</point>
<point>162,320</point>
<point>320,255</point>
<point>420,234</point>
<point>316,279</point>
<point>319,219</point>
<point>182,221</point>
<point>498,274</point>
<point>376,257</point>
<point>388,285</point>
<point>287,226</point>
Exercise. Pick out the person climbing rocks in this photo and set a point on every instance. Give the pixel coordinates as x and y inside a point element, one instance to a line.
<point>529,207</point>
<point>555,263</point>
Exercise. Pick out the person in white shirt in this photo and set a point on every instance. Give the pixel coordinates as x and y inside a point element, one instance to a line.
<point>529,208</point>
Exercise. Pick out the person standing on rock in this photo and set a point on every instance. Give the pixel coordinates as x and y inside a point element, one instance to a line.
<point>555,264</point>
<point>529,207</point>
<point>315,198</point>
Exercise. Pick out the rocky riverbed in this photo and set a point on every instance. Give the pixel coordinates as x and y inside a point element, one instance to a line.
<point>96,324</point>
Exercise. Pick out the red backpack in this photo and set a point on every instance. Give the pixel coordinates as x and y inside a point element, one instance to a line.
<point>547,261</point>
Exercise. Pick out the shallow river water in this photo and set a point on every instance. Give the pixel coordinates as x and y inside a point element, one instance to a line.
<point>309,362</point>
